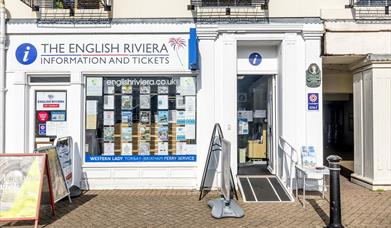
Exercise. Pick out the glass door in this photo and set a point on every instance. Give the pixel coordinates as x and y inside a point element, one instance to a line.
<point>253,124</point>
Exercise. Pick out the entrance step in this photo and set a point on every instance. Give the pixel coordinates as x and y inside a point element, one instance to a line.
<point>262,189</point>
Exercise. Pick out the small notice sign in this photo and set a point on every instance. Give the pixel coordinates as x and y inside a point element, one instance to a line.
<point>313,101</point>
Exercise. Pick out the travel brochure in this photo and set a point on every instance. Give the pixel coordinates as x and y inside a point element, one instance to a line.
<point>163,133</point>
<point>126,149</point>
<point>180,102</point>
<point>162,89</point>
<point>162,102</point>
<point>108,149</point>
<point>144,132</point>
<point>145,117</point>
<point>127,89</point>
<point>108,102</point>
<point>162,148</point>
<point>108,117</point>
<point>108,89</point>
<point>126,117</point>
<point>126,102</point>
<point>144,148</point>
<point>126,134</point>
<point>108,133</point>
<point>145,89</point>
<point>180,133</point>
<point>162,117</point>
<point>145,102</point>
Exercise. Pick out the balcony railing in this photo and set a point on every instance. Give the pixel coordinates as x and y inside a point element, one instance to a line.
<point>212,10</point>
<point>71,11</point>
<point>371,10</point>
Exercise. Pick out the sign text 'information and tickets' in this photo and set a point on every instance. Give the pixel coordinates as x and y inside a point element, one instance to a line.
<point>21,185</point>
<point>58,184</point>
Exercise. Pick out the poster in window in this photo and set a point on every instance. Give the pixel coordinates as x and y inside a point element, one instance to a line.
<point>126,134</point>
<point>127,89</point>
<point>108,117</point>
<point>190,131</point>
<point>126,102</point>
<point>108,148</point>
<point>181,117</point>
<point>51,100</point>
<point>108,102</point>
<point>190,117</point>
<point>162,117</point>
<point>126,117</point>
<point>145,89</point>
<point>187,86</point>
<point>145,102</point>
<point>162,102</point>
<point>94,86</point>
<point>162,148</point>
<point>145,133</point>
<point>144,148</point>
<point>126,149</point>
<point>163,133</point>
<point>180,102</point>
<point>180,148</point>
<point>58,116</point>
<point>108,89</point>
<point>145,117</point>
<point>181,133</point>
<point>190,103</point>
<point>108,133</point>
<point>190,149</point>
<point>162,89</point>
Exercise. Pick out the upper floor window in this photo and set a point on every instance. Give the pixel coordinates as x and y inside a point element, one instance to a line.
<point>373,2</point>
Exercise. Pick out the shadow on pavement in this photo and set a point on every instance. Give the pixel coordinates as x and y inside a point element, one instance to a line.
<point>322,214</point>
<point>62,208</point>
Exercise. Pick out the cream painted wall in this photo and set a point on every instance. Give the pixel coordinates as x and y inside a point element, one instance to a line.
<point>337,82</point>
<point>178,9</point>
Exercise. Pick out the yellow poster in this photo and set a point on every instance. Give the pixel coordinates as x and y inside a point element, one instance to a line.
<point>20,184</point>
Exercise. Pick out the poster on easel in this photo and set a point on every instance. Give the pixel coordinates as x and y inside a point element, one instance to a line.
<point>21,185</point>
<point>58,184</point>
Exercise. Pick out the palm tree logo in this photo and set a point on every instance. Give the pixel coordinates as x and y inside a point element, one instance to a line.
<point>176,44</point>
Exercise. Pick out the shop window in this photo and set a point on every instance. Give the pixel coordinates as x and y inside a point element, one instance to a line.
<point>140,119</point>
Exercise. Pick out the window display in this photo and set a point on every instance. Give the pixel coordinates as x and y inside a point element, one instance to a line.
<point>141,119</point>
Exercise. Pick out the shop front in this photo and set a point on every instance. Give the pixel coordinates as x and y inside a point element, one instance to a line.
<point>129,102</point>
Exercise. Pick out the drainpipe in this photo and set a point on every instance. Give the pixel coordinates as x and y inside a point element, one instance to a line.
<point>2,76</point>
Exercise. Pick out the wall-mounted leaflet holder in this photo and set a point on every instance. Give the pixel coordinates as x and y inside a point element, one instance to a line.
<point>225,206</point>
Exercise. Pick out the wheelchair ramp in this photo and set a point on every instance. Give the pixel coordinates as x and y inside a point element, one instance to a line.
<point>262,189</point>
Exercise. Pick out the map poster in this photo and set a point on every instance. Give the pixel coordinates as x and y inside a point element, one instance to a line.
<point>21,182</point>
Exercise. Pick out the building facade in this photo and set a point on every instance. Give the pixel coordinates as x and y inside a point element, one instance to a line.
<point>139,88</point>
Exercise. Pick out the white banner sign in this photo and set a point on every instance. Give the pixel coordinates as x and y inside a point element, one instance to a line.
<point>51,101</point>
<point>102,52</point>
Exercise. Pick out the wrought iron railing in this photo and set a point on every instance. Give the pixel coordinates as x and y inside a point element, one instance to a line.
<point>206,10</point>
<point>74,11</point>
<point>371,10</point>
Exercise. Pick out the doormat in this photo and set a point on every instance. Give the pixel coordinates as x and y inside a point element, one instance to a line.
<point>262,189</point>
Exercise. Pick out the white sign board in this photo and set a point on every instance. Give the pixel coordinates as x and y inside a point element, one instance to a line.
<point>51,101</point>
<point>257,60</point>
<point>167,52</point>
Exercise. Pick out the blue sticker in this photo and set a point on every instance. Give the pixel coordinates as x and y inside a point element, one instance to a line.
<point>313,101</point>
<point>58,116</point>
<point>255,59</point>
<point>26,54</point>
<point>42,129</point>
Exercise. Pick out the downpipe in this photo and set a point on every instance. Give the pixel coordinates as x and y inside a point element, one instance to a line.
<point>2,76</point>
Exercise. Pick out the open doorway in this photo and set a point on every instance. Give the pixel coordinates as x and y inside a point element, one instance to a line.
<point>338,130</point>
<point>255,119</point>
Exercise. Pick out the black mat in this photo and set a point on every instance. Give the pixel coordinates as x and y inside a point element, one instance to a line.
<point>262,189</point>
<point>258,169</point>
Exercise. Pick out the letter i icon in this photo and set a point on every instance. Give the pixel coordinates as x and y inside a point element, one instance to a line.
<point>26,54</point>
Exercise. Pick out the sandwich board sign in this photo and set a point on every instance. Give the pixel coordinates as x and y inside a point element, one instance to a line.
<point>58,185</point>
<point>21,184</point>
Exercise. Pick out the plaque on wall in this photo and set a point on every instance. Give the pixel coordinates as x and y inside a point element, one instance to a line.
<point>313,78</point>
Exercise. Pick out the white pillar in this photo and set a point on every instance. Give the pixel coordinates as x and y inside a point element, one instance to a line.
<point>314,119</point>
<point>205,95</point>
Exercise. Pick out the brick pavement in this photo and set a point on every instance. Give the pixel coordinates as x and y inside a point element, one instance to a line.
<point>181,208</point>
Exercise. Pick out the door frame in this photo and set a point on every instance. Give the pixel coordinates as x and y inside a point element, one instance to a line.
<point>274,129</point>
<point>32,89</point>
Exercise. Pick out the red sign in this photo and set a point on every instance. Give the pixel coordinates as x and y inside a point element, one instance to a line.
<point>43,116</point>
<point>51,105</point>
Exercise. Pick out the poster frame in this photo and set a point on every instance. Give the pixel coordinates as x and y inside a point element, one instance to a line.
<point>44,169</point>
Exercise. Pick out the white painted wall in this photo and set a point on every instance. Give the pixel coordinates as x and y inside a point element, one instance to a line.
<point>372,106</point>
